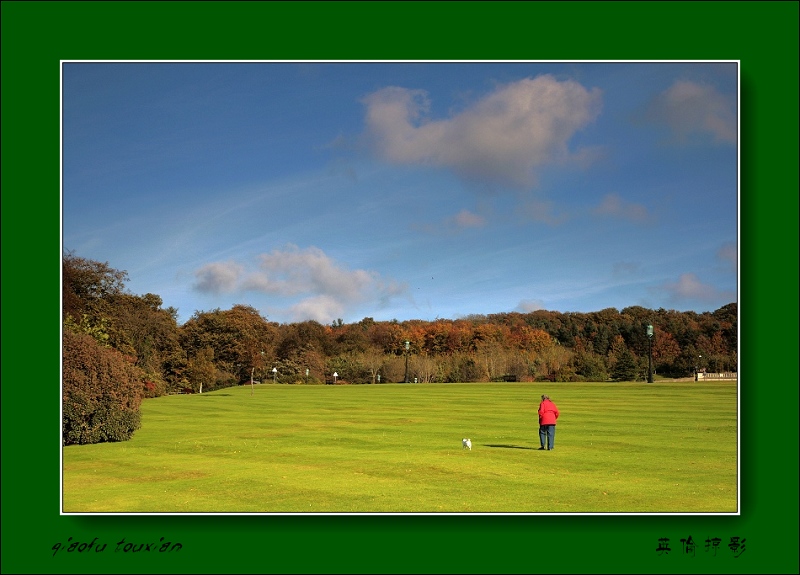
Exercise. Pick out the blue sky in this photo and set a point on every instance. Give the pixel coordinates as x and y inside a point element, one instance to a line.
<point>419,190</point>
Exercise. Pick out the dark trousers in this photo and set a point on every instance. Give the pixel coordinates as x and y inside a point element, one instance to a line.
<point>549,432</point>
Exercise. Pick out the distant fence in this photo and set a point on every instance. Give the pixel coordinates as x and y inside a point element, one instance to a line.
<point>701,376</point>
<point>506,377</point>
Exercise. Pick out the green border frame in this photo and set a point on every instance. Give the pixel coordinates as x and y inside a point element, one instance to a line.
<point>763,36</point>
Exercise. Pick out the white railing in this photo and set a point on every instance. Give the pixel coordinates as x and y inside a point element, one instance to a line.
<point>715,376</point>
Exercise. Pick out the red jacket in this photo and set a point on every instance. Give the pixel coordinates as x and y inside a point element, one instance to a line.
<point>548,413</point>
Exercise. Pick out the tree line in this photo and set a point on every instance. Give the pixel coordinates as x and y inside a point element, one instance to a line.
<point>139,347</point>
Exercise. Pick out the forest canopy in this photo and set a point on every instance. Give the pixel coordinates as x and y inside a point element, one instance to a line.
<point>220,348</point>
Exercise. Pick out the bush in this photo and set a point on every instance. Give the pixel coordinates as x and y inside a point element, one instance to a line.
<point>463,369</point>
<point>150,389</point>
<point>102,392</point>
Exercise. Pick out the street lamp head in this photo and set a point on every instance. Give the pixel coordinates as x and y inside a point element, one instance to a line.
<point>408,344</point>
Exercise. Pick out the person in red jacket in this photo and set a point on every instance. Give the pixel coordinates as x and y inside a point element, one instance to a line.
<point>548,414</point>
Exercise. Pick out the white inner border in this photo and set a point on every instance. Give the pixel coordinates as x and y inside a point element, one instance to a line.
<point>738,264</point>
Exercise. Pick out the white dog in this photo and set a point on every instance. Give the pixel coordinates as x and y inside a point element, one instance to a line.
<point>466,444</point>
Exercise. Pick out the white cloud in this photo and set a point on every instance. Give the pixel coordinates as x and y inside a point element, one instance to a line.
<point>322,289</point>
<point>502,138</point>
<point>689,287</point>
<point>294,271</point>
<point>218,277</point>
<point>467,219</point>
<point>543,212</point>
<point>615,207</point>
<point>529,305</point>
<point>454,224</point>
<point>689,108</point>
<point>321,308</point>
<point>729,253</point>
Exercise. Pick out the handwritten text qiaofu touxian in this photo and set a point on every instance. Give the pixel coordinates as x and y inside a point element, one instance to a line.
<point>122,546</point>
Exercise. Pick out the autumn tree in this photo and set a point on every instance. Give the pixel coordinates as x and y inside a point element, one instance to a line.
<point>538,344</point>
<point>424,367</point>
<point>665,351</point>
<point>142,329</point>
<point>200,370</point>
<point>462,367</point>
<point>303,345</point>
<point>96,302</point>
<point>237,336</point>
<point>554,362</point>
<point>590,366</point>
<point>388,336</point>
<point>87,284</point>
<point>373,359</point>
<point>101,392</point>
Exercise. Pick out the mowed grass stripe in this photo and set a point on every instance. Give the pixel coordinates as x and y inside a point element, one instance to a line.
<point>620,448</point>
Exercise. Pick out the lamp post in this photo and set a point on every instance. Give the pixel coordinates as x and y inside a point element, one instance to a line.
<point>408,345</point>
<point>335,375</point>
<point>306,376</point>
<point>274,375</point>
<point>649,353</point>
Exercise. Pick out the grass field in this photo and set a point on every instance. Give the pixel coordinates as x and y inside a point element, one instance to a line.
<point>619,448</point>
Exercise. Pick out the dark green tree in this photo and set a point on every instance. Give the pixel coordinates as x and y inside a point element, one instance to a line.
<point>625,365</point>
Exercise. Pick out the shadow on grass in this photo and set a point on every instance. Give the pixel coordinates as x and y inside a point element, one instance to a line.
<point>507,446</point>
<point>215,395</point>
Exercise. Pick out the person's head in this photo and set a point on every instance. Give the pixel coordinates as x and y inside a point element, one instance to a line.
<point>544,397</point>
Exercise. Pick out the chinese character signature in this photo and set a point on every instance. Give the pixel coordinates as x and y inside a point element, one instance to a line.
<point>712,545</point>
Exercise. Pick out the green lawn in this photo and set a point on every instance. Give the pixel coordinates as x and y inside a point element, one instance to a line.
<point>620,448</point>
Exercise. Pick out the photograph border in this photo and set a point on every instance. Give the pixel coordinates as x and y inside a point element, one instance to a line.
<point>441,62</point>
